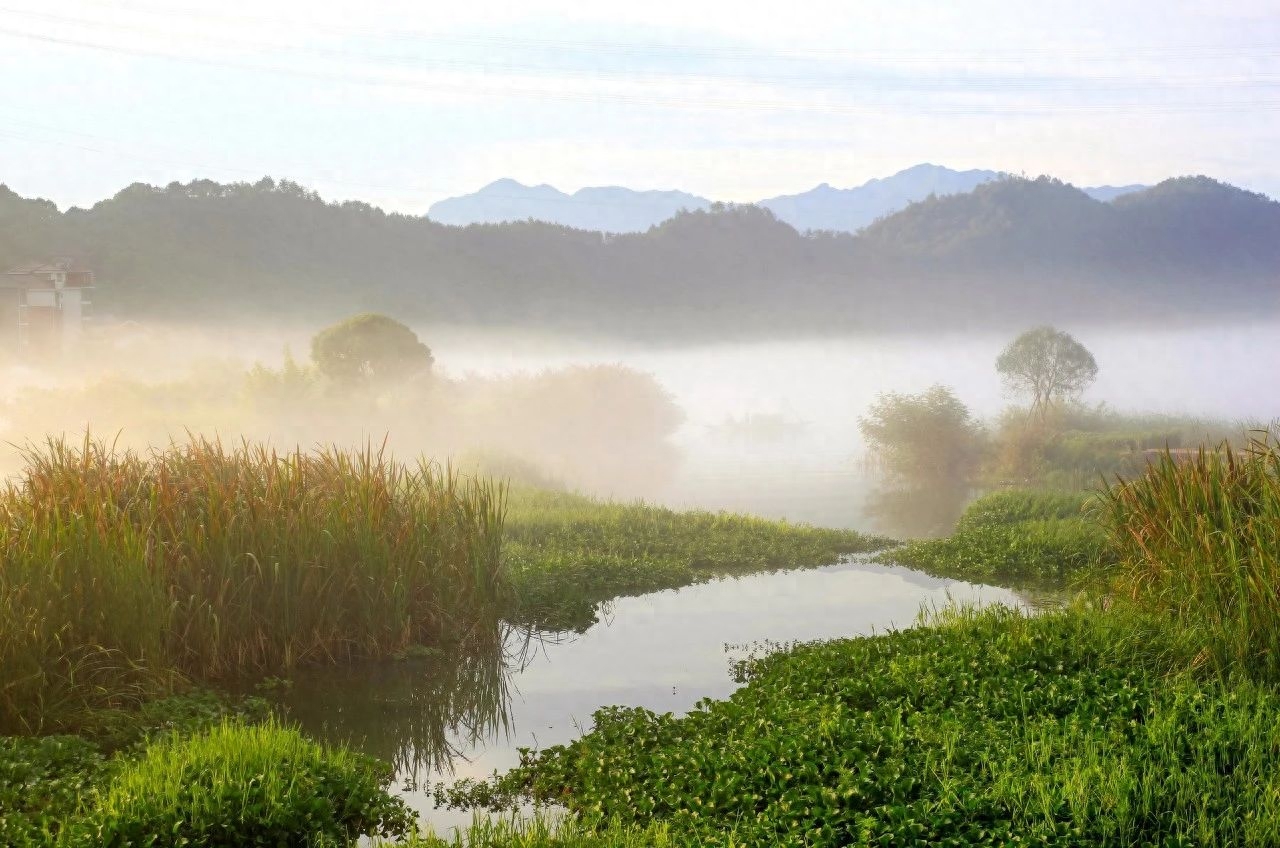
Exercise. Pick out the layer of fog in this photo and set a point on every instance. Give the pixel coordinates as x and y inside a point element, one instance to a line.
<point>769,427</point>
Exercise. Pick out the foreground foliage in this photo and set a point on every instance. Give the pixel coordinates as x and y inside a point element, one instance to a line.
<point>990,729</point>
<point>243,784</point>
<point>123,572</point>
<point>566,553</point>
<point>1021,537</point>
<point>48,783</point>
<point>542,831</point>
<point>1199,546</point>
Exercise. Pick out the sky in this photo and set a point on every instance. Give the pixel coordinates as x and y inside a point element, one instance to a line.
<point>401,103</point>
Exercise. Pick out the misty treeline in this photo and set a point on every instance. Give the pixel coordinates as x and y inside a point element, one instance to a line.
<point>1009,252</point>
<point>1048,436</point>
<point>369,380</point>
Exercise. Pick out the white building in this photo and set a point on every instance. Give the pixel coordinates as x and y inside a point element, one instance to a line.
<point>42,304</point>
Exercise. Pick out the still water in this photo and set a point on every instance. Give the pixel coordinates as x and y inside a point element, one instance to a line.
<point>440,718</point>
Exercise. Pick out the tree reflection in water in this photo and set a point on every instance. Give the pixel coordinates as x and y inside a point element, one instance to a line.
<point>419,713</point>
<point>917,510</point>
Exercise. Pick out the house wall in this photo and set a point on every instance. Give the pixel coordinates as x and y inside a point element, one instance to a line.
<point>10,299</point>
<point>72,309</point>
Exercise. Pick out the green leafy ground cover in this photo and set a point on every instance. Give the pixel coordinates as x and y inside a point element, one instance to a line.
<point>566,553</point>
<point>1016,537</point>
<point>987,729</point>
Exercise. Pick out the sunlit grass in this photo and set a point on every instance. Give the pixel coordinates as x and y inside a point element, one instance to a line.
<point>1199,545</point>
<point>122,572</point>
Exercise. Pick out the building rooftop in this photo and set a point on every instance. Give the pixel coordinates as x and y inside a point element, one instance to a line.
<point>39,275</point>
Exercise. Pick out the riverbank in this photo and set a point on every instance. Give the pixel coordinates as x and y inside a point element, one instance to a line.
<point>1145,712</point>
<point>202,565</point>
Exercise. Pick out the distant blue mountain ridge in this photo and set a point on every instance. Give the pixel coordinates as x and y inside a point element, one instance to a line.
<point>617,209</point>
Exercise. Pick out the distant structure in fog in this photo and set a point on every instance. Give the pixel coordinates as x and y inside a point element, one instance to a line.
<point>42,305</point>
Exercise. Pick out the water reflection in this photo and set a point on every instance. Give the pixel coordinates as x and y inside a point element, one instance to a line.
<point>422,713</point>
<point>919,511</point>
<point>442,717</point>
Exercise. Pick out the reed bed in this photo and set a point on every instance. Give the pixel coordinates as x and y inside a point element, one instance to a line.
<point>1199,545</point>
<point>123,571</point>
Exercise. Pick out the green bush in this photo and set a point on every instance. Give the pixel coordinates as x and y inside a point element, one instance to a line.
<point>238,784</point>
<point>542,831</point>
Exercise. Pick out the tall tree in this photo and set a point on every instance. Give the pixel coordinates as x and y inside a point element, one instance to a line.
<point>1048,365</point>
<point>369,347</point>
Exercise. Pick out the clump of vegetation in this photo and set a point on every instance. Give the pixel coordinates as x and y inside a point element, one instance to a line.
<point>1074,446</point>
<point>44,783</point>
<point>543,831</point>
<point>369,348</point>
<point>566,553</point>
<point>990,728</point>
<point>928,435</point>
<point>125,572</point>
<point>47,783</point>
<point>1021,537</point>
<point>1198,540</point>
<point>244,784</point>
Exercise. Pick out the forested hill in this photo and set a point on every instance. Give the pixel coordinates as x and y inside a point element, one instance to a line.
<point>1011,251</point>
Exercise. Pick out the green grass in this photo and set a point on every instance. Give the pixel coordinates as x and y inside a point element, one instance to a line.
<point>124,573</point>
<point>988,729</point>
<point>241,784</point>
<point>1019,537</point>
<point>567,553</point>
<point>1199,549</point>
<point>47,782</point>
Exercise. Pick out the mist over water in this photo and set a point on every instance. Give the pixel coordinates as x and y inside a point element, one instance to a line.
<point>770,427</point>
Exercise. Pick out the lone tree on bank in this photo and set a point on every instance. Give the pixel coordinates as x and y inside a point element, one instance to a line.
<point>369,348</point>
<point>1047,364</point>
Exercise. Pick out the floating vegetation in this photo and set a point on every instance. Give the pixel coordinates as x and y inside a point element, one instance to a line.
<point>1027,538</point>
<point>989,728</point>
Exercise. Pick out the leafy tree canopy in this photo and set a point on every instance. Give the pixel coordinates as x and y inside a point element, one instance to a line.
<point>369,347</point>
<point>1048,365</point>
<point>929,436</point>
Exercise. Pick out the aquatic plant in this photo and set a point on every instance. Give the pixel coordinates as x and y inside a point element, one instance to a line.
<point>1199,544</point>
<point>989,728</point>
<point>545,831</point>
<point>123,572</point>
<point>1023,537</point>
<point>48,783</point>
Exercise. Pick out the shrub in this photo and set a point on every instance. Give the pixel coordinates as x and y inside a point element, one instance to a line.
<point>930,435</point>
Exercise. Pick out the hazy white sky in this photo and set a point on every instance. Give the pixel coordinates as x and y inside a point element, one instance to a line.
<point>404,102</point>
